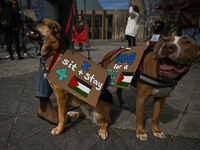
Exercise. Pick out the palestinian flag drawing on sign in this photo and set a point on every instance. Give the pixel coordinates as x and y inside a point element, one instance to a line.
<point>79,86</point>
<point>125,79</point>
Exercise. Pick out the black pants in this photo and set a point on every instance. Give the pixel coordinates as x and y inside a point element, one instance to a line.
<point>131,41</point>
<point>13,35</point>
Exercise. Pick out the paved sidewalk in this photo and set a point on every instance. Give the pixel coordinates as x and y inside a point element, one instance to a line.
<point>20,128</point>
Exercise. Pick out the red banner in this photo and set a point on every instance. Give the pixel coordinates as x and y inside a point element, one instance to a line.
<point>81,37</point>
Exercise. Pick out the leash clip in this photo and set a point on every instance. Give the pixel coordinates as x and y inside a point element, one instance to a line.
<point>127,48</point>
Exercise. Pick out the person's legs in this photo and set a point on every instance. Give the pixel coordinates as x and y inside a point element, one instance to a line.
<point>129,40</point>
<point>44,9</point>
<point>73,45</point>
<point>9,43</point>
<point>44,91</point>
<point>15,35</point>
<point>133,41</point>
<point>49,9</point>
<point>21,36</point>
<point>80,47</point>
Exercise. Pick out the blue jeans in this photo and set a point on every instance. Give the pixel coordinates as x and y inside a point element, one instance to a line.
<point>43,87</point>
<point>21,36</point>
<point>80,45</point>
<point>58,10</point>
<point>193,33</point>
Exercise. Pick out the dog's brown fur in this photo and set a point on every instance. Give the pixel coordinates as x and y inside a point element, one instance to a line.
<point>188,55</point>
<point>52,35</point>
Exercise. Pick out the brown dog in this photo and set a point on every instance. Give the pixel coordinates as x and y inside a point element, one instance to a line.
<point>171,57</point>
<point>52,35</point>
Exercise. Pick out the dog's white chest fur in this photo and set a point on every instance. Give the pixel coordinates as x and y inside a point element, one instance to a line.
<point>161,92</point>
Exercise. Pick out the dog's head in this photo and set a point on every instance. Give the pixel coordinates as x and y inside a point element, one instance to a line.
<point>174,55</point>
<point>51,33</point>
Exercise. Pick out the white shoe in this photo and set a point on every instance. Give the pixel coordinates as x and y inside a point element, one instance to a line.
<point>25,54</point>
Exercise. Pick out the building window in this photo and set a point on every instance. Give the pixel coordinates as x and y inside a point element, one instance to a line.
<point>98,26</point>
<point>89,20</point>
<point>110,24</point>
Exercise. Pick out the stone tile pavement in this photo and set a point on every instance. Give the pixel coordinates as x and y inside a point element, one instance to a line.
<point>20,128</point>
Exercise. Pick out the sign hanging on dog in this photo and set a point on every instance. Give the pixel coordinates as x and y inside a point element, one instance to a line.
<point>123,66</point>
<point>79,76</point>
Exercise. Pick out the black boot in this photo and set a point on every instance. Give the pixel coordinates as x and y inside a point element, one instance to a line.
<point>19,56</point>
<point>11,57</point>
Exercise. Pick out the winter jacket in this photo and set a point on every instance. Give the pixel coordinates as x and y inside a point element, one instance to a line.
<point>189,12</point>
<point>12,18</point>
<point>132,26</point>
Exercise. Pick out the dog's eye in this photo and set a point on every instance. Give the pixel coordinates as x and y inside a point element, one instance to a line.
<point>187,42</point>
<point>165,40</point>
<point>40,21</point>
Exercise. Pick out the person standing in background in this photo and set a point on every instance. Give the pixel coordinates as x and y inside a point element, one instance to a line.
<point>158,26</point>
<point>58,10</point>
<point>15,5</point>
<point>190,15</point>
<point>132,26</point>
<point>12,29</point>
<point>80,28</point>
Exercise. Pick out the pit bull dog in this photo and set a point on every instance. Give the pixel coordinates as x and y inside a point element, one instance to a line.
<point>169,62</point>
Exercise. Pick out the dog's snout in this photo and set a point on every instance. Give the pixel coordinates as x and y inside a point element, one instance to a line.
<point>169,48</point>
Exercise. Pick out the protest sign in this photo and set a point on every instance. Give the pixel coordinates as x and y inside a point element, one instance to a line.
<point>123,66</point>
<point>79,76</point>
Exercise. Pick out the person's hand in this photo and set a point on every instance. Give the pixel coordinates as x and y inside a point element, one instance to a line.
<point>20,12</point>
<point>153,25</point>
<point>157,7</point>
<point>158,24</point>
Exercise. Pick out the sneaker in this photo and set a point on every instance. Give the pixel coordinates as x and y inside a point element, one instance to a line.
<point>193,66</point>
<point>25,54</point>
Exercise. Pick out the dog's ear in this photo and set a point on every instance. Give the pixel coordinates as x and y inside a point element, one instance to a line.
<point>58,31</point>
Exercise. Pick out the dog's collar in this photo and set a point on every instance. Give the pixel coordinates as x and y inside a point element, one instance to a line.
<point>46,56</point>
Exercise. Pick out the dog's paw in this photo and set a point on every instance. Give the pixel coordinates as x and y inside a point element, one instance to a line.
<point>159,135</point>
<point>142,137</point>
<point>73,114</point>
<point>55,131</point>
<point>103,134</point>
<point>126,106</point>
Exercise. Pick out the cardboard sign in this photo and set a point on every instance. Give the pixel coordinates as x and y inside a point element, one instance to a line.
<point>81,37</point>
<point>123,66</point>
<point>155,38</point>
<point>79,76</point>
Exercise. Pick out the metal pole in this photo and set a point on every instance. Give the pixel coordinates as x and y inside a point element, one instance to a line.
<point>115,24</point>
<point>106,20</point>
